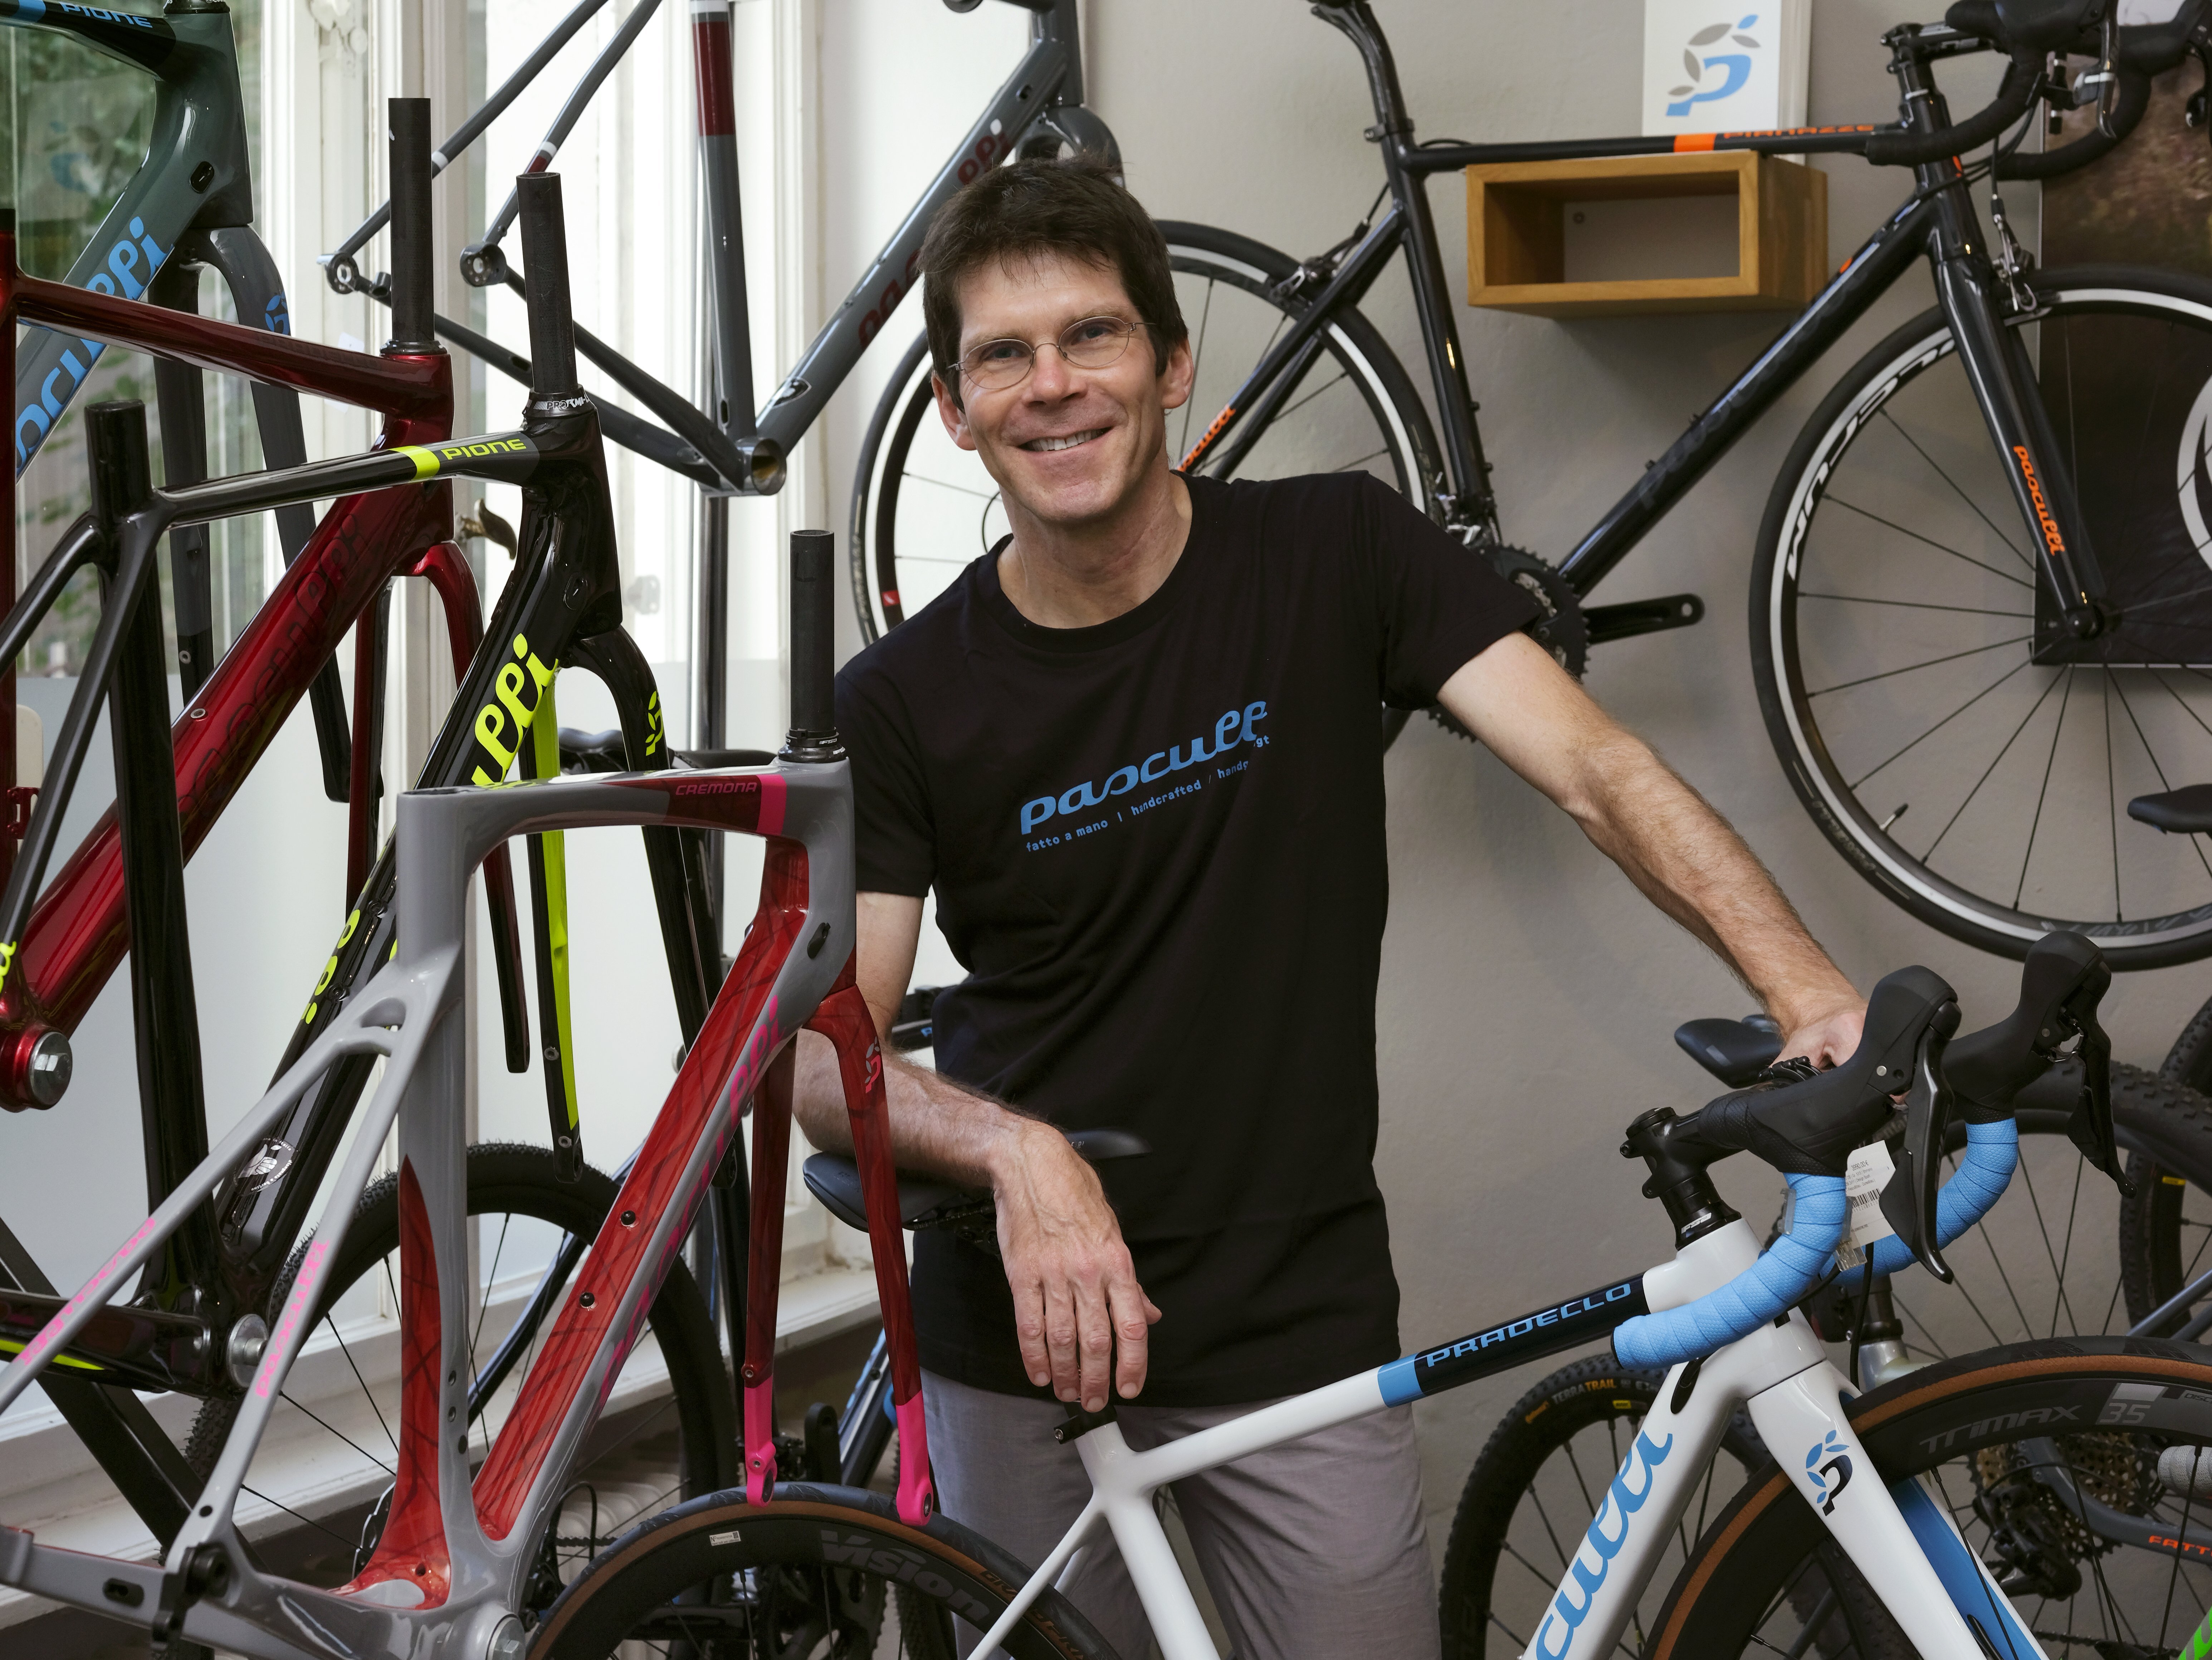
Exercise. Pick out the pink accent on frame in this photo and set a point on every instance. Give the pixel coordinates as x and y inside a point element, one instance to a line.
<point>917,1494</point>
<point>760,1441</point>
<point>295,1310</point>
<point>36,1351</point>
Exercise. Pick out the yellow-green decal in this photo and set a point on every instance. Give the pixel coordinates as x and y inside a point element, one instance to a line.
<point>9,1345</point>
<point>314,1002</point>
<point>507,709</point>
<point>545,750</point>
<point>428,459</point>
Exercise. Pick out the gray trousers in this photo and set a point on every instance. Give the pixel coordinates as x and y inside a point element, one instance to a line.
<point>1315,1548</point>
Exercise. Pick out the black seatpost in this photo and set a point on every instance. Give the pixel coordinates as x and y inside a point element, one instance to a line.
<point>413,332</point>
<point>545,286</point>
<point>813,650</point>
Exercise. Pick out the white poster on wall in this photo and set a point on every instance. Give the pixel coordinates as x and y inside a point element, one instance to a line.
<point>1725,65</point>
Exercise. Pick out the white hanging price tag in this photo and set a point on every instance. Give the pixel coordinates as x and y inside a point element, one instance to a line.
<point>1865,1175</point>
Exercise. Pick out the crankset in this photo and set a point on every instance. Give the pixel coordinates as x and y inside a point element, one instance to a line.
<point>1560,628</point>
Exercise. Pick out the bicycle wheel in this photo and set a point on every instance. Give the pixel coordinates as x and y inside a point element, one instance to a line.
<point>806,1575</point>
<point>2095,1554</point>
<point>923,508</point>
<point>1967,758</point>
<point>332,1432</point>
<point>1533,1493</point>
<point>2061,1254</point>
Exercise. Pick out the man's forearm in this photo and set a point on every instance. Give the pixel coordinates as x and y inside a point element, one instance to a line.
<point>938,1128</point>
<point>1685,857</point>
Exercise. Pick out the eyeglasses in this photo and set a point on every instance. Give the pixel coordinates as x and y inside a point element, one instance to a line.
<point>1091,343</point>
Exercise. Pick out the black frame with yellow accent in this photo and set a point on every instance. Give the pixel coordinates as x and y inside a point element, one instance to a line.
<point>561,608</point>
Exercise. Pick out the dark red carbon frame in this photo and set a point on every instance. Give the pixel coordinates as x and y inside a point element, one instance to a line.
<point>743,1048</point>
<point>729,1052</point>
<point>413,1547</point>
<point>77,932</point>
<point>710,74</point>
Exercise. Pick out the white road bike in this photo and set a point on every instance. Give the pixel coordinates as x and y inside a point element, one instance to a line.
<point>1867,1559</point>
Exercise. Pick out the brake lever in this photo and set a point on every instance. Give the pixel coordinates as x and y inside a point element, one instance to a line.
<point>2108,72</point>
<point>2090,1128</point>
<point>1908,1200</point>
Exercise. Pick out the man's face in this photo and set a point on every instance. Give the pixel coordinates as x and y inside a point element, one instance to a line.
<point>1114,415</point>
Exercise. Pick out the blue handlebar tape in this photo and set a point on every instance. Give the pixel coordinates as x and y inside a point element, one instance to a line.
<point>1992,1154</point>
<point>1786,1271</point>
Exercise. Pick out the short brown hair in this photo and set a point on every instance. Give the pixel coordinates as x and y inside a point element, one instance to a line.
<point>1076,208</point>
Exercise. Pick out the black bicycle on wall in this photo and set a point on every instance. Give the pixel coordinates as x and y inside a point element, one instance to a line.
<point>1982,598</point>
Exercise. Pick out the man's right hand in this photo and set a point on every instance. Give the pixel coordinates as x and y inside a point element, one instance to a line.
<point>1078,1307</point>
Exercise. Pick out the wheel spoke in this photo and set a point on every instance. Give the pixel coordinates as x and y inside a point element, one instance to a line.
<point>1929,663</point>
<point>2041,699</point>
<point>1979,564</point>
<point>1943,723</point>
<point>1920,605</point>
<point>2010,546</point>
<point>2048,761</point>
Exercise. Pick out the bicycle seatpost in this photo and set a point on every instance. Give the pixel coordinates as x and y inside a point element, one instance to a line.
<point>412,331</point>
<point>813,650</point>
<point>545,286</point>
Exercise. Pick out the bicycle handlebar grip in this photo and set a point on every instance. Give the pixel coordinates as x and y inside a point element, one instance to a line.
<point>813,634</point>
<point>1989,1068</point>
<point>2023,75</point>
<point>412,330</point>
<point>1810,1127</point>
<point>1784,1273</point>
<point>545,285</point>
<point>1984,1171</point>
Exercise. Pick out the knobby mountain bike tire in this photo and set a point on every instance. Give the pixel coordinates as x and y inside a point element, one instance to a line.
<point>1975,1431</point>
<point>2061,1254</point>
<point>340,1407</point>
<point>923,509</point>
<point>1968,757</point>
<point>809,1573</point>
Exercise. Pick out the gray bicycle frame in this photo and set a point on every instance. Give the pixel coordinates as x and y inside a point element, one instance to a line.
<point>409,1014</point>
<point>1039,105</point>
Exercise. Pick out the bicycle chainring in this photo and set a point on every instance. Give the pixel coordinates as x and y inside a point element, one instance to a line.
<point>1559,629</point>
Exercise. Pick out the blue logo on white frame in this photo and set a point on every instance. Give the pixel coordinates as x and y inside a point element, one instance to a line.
<point>1734,67</point>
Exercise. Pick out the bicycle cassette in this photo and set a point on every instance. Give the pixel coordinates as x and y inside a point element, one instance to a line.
<point>1559,627</point>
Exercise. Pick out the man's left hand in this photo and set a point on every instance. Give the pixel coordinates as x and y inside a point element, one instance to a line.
<point>1826,1037</point>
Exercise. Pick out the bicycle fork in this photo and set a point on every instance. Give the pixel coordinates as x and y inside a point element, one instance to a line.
<point>1901,1538</point>
<point>2005,388</point>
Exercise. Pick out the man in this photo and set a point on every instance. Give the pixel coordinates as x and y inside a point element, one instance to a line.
<point>1135,750</point>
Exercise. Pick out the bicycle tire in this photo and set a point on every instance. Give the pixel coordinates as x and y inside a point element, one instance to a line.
<point>516,1180</point>
<point>2190,1061</point>
<point>764,1569</point>
<point>882,597</point>
<point>1859,777</point>
<point>1961,1422</point>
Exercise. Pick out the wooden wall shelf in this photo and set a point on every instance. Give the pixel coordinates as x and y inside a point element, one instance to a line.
<point>1517,233</point>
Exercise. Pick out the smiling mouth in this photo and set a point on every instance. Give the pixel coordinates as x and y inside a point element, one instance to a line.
<point>1047,445</point>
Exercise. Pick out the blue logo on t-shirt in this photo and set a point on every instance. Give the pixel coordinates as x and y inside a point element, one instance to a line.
<point>1235,728</point>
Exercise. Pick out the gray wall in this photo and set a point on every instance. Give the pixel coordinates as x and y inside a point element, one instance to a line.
<point>1527,991</point>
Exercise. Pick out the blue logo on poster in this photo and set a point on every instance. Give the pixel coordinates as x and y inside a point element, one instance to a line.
<point>1735,66</point>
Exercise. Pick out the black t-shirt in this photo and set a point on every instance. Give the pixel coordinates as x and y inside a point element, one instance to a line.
<point>1158,849</point>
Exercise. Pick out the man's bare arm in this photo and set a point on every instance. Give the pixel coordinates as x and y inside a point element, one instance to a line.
<point>1075,1289</point>
<point>1663,835</point>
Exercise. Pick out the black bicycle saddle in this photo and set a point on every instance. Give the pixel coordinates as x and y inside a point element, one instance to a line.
<point>1734,1051</point>
<point>2184,812</point>
<point>926,1203</point>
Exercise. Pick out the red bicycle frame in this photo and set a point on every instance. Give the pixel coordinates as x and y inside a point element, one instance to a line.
<point>77,934</point>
